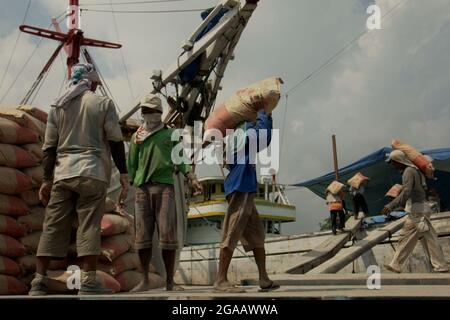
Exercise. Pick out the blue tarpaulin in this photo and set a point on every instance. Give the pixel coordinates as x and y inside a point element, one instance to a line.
<point>383,176</point>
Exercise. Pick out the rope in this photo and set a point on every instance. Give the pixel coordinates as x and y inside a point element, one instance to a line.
<point>340,52</point>
<point>144,11</point>
<point>134,2</point>
<point>121,51</point>
<point>15,46</point>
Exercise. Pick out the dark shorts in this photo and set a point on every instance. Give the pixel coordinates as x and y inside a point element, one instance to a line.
<point>242,223</point>
<point>155,207</point>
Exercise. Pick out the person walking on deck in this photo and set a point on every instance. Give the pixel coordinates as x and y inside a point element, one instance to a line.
<point>336,205</point>
<point>242,220</point>
<point>417,224</point>
<point>82,133</point>
<point>151,171</point>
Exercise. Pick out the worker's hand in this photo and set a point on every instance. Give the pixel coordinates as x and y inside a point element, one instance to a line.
<point>198,188</point>
<point>45,191</point>
<point>385,211</point>
<point>124,192</point>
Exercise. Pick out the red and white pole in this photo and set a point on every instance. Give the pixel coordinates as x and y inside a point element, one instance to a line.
<point>73,24</point>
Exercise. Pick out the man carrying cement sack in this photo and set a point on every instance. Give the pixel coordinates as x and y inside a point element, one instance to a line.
<point>242,220</point>
<point>151,170</point>
<point>418,224</point>
<point>82,133</point>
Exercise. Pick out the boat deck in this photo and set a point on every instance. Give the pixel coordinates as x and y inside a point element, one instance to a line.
<point>338,287</point>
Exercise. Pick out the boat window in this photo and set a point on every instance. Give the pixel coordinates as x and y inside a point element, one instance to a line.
<point>213,189</point>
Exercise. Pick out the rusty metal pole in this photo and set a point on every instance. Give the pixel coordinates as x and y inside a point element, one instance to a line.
<point>335,159</point>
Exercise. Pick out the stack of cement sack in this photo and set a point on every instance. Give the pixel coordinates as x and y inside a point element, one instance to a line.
<point>118,262</point>
<point>21,133</point>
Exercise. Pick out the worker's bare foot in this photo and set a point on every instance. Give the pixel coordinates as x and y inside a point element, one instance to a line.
<point>174,287</point>
<point>227,287</point>
<point>141,287</point>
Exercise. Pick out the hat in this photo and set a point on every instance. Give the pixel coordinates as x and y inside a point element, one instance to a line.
<point>400,157</point>
<point>153,102</point>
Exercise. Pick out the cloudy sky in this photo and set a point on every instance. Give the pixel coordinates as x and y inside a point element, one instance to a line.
<point>392,83</point>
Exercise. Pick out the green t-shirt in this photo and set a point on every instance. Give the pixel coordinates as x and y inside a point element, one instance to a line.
<point>151,161</point>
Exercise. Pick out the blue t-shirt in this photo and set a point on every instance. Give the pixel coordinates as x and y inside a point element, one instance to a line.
<point>242,177</point>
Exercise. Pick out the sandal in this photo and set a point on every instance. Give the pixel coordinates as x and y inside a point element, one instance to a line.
<point>271,287</point>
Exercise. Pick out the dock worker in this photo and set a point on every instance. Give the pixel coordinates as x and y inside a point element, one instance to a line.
<point>82,133</point>
<point>242,220</point>
<point>151,170</point>
<point>336,206</point>
<point>417,224</point>
<point>359,201</point>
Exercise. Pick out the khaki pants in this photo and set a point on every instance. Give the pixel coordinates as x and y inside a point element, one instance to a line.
<point>242,223</point>
<point>408,240</point>
<point>76,197</point>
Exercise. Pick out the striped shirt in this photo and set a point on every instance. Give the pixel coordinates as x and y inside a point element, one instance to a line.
<point>80,130</point>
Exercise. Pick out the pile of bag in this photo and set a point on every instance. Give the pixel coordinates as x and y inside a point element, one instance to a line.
<point>118,261</point>
<point>22,131</point>
<point>245,104</point>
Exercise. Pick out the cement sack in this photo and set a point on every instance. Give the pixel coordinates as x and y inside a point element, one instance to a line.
<point>125,262</point>
<point>13,181</point>
<point>9,267</point>
<point>113,224</point>
<point>33,221</point>
<point>10,227</point>
<point>31,197</point>
<point>245,104</point>
<point>15,157</point>
<point>11,286</point>
<point>11,132</point>
<point>357,180</point>
<point>23,119</point>
<point>36,174</point>
<point>58,281</point>
<point>394,191</point>
<point>31,241</point>
<point>12,206</point>
<point>35,149</point>
<point>421,161</point>
<point>28,264</point>
<point>37,113</point>
<point>335,187</point>
<point>113,247</point>
<point>10,247</point>
<point>130,279</point>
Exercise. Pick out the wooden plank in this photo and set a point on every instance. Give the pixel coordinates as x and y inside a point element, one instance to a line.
<point>343,258</point>
<point>326,250</point>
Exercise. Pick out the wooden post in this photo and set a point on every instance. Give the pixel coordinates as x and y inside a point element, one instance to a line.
<point>335,160</point>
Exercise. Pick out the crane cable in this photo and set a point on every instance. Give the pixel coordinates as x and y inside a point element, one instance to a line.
<point>121,51</point>
<point>324,65</point>
<point>15,45</point>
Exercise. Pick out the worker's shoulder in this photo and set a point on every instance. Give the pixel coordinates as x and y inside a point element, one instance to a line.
<point>92,97</point>
<point>410,172</point>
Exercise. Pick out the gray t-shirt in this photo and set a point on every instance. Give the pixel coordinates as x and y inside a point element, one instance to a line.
<point>81,130</point>
<point>413,188</point>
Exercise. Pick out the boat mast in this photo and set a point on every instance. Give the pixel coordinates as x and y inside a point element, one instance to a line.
<point>335,159</point>
<point>72,41</point>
